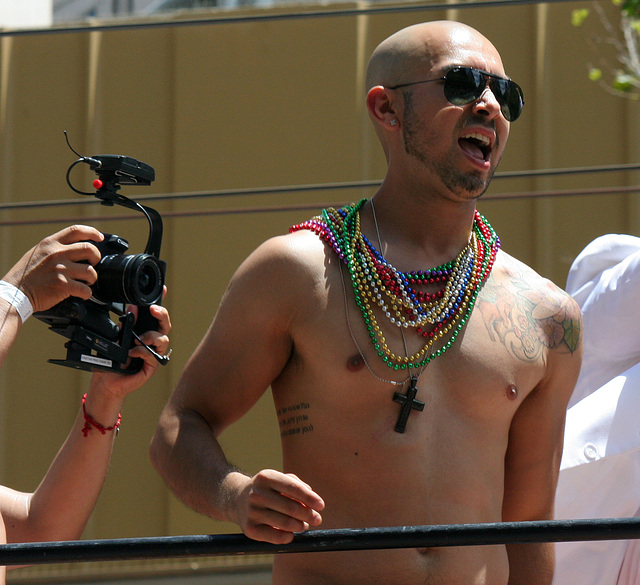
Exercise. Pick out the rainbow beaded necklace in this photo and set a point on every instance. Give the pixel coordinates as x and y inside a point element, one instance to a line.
<point>440,315</point>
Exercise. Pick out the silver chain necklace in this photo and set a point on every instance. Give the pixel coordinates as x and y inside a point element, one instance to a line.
<point>355,341</point>
<point>353,337</point>
<point>408,401</point>
<point>404,340</point>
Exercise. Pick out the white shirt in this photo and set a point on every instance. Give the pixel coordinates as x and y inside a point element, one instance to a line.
<point>600,469</point>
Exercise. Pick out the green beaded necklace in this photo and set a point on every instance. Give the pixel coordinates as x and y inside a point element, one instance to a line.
<point>376,282</point>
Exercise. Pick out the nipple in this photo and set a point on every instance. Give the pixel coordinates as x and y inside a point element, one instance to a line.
<point>511,392</point>
<point>355,363</point>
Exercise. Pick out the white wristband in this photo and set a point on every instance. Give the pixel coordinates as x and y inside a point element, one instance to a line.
<point>15,297</point>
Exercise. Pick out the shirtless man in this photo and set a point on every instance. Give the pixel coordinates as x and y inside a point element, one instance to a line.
<point>481,439</point>
<point>60,266</point>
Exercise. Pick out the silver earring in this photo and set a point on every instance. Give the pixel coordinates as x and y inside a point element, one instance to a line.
<point>393,122</point>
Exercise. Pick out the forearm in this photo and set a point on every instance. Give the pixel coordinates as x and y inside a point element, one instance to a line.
<point>531,564</point>
<point>270,506</point>
<point>10,324</point>
<point>63,502</point>
<point>189,458</point>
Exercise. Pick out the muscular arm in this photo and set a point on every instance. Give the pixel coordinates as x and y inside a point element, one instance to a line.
<point>535,441</point>
<point>245,349</point>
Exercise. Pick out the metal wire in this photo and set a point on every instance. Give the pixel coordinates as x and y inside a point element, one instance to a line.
<point>165,23</point>
<point>337,186</point>
<point>315,206</point>
<point>608,191</point>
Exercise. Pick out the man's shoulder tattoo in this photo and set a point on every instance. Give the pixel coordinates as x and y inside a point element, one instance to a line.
<point>529,315</point>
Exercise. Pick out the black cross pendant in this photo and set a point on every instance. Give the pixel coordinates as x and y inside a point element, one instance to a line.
<point>409,403</point>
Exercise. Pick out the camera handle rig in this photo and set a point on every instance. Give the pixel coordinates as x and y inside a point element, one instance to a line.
<point>111,344</point>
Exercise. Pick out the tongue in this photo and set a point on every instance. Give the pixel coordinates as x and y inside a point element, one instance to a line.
<point>471,148</point>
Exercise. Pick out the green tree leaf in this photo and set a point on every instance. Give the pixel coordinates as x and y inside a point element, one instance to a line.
<point>578,16</point>
<point>625,82</point>
<point>595,74</point>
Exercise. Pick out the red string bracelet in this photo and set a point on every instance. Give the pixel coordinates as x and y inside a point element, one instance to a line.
<point>89,422</point>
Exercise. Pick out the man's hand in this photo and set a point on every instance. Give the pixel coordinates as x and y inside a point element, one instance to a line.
<point>60,266</point>
<point>272,506</point>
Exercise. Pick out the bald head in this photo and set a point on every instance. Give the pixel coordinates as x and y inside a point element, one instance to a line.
<point>415,49</point>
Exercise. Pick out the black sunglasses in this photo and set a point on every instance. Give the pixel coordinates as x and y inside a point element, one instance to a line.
<point>463,85</point>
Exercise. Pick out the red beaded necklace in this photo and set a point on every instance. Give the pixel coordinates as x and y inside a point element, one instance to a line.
<point>435,316</point>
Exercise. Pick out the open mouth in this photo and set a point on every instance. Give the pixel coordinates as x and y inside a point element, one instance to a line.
<point>476,145</point>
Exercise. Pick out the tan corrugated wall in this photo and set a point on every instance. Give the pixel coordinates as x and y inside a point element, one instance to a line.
<point>244,105</point>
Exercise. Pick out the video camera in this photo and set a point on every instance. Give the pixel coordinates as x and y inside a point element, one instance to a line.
<point>95,341</point>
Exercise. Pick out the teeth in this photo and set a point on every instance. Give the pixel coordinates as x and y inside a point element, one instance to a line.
<point>479,137</point>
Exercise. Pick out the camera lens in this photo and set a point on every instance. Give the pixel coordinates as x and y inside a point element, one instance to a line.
<point>137,279</point>
<point>146,280</point>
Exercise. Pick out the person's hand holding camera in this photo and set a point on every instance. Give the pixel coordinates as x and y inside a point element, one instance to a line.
<point>59,266</point>
<point>120,386</point>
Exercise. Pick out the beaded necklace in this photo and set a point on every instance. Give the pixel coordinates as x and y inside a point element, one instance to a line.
<point>436,316</point>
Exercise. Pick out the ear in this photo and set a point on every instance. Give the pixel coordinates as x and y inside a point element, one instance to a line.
<point>380,104</point>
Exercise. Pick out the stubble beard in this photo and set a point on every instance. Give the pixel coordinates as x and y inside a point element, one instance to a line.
<point>468,185</point>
